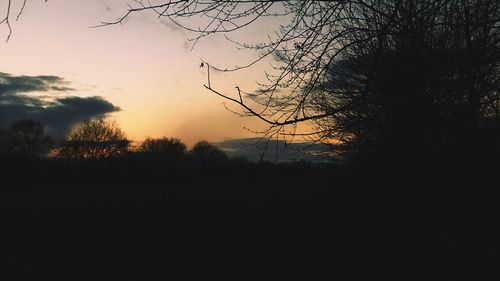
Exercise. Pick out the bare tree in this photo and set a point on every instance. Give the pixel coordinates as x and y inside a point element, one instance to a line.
<point>95,139</point>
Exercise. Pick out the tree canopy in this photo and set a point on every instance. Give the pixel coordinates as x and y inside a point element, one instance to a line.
<point>24,138</point>
<point>207,153</point>
<point>163,148</point>
<point>95,139</point>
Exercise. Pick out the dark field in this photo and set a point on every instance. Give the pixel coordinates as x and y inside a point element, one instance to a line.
<point>299,214</point>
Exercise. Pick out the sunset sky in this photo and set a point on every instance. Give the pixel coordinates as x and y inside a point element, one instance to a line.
<point>145,67</point>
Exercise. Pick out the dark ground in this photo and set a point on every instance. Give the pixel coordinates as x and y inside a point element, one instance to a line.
<point>299,219</point>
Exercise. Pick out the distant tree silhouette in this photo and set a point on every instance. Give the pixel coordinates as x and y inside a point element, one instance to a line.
<point>93,140</point>
<point>163,148</point>
<point>371,75</point>
<point>207,153</point>
<point>25,138</point>
<point>29,137</point>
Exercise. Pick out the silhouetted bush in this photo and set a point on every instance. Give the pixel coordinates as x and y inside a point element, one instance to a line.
<point>206,153</point>
<point>172,149</point>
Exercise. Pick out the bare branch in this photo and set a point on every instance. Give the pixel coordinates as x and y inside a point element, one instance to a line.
<point>8,11</point>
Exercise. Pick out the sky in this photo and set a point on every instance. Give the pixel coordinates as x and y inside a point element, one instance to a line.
<point>143,74</point>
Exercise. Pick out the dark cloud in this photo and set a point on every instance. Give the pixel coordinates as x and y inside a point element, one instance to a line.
<point>253,148</point>
<point>61,89</point>
<point>13,85</point>
<point>58,114</point>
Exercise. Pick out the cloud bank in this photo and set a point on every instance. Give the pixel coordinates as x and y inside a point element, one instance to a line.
<point>41,98</point>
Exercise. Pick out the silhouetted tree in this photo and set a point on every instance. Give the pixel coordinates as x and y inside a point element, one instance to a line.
<point>207,153</point>
<point>24,138</point>
<point>163,148</point>
<point>29,137</point>
<point>427,82</point>
<point>95,139</point>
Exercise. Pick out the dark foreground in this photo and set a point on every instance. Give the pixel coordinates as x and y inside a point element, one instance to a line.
<point>300,219</point>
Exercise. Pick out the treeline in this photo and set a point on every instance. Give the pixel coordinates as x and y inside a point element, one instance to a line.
<point>98,153</point>
<point>98,140</point>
